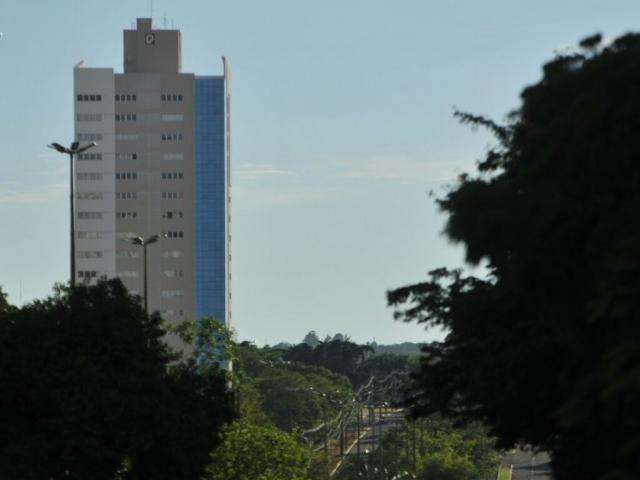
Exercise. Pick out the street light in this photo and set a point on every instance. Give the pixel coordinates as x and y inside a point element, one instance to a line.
<point>74,149</point>
<point>143,243</point>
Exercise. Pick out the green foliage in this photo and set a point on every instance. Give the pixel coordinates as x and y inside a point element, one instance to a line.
<point>251,452</point>
<point>430,449</point>
<point>90,390</point>
<point>339,355</point>
<point>300,396</point>
<point>546,349</point>
<point>405,348</point>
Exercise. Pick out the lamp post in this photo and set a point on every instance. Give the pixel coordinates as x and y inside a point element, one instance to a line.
<point>74,149</point>
<point>144,243</point>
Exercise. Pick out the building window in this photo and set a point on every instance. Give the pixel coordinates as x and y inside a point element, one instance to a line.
<point>126,156</point>
<point>128,274</point>
<point>95,97</point>
<point>126,117</point>
<point>171,137</point>
<point>90,137</point>
<point>89,156</point>
<point>172,214</point>
<point>126,137</point>
<point>126,195</point>
<point>174,234</point>
<point>90,254</point>
<point>94,176</point>
<point>128,97</point>
<point>172,156</point>
<point>89,235</point>
<point>89,196</point>
<point>127,254</point>
<point>87,274</point>
<point>173,273</point>
<point>126,215</point>
<point>171,175</point>
<point>126,235</point>
<point>173,254</point>
<point>89,117</point>
<point>89,215</point>
<point>172,293</point>
<point>172,117</point>
<point>171,195</point>
<point>171,97</point>
<point>126,176</point>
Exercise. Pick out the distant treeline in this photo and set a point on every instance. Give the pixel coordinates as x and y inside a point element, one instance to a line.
<point>312,339</point>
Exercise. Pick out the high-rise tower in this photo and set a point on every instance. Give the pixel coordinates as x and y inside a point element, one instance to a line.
<point>162,165</point>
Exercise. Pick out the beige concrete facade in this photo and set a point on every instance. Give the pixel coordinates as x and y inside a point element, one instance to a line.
<point>140,178</point>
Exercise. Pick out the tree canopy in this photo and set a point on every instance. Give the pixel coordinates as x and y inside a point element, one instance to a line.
<point>545,349</point>
<point>89,388</point>
<point>340,356</point>
<point>251,452</point>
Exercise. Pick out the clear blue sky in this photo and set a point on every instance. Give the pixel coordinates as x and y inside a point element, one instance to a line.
<point>341,125</point>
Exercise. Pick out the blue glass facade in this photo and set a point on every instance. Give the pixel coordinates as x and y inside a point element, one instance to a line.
<point>211,194</point>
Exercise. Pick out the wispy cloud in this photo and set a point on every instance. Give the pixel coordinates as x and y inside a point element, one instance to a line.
<point>254,171</point>
<point>14,193</point>
<point>401,169</point>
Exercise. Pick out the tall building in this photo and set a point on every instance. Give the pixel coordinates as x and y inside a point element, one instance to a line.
<point>161,165</point>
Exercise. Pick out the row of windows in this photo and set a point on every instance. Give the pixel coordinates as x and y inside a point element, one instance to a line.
<point>173,313</point>
<point>89,117</point>
<point>126,117</point>
<point>172,195</point>
<point>172,117</point>
<point>92,97</point>
<point>126,195</point>
<point>172,214</point>
<point>173,254</point>
<point>173,156</point>
<point>172,175</point>
<point>88,176</point>
<point>173,273</point>
<point>90,137</point>
<point>90,235</point>
<point>89,215</point>
<point>174,234</point>
<point>87,274</point>
<point>89,156</point>
<point>126,156</point>
<point>127,274</point>
<point>171,137</point>
<point>172,293</point>
<point>90,254</point>
<point>126,176</point>
<point>127,254</point>
<point>126,137</point>
<point>126,215</point>
<point>171,97</point>
<point>89,196</point>
<point>129,97</point>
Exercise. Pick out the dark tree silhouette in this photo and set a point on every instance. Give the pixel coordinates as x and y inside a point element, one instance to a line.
<point>88,389</point>
<point>546,350</point>
<point>343,357</point>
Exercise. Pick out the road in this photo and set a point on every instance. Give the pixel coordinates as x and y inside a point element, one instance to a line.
<point>369,440</point>
<point>528,466</point>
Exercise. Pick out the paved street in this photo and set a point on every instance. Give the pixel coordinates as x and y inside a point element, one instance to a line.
<point>527,466</point>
